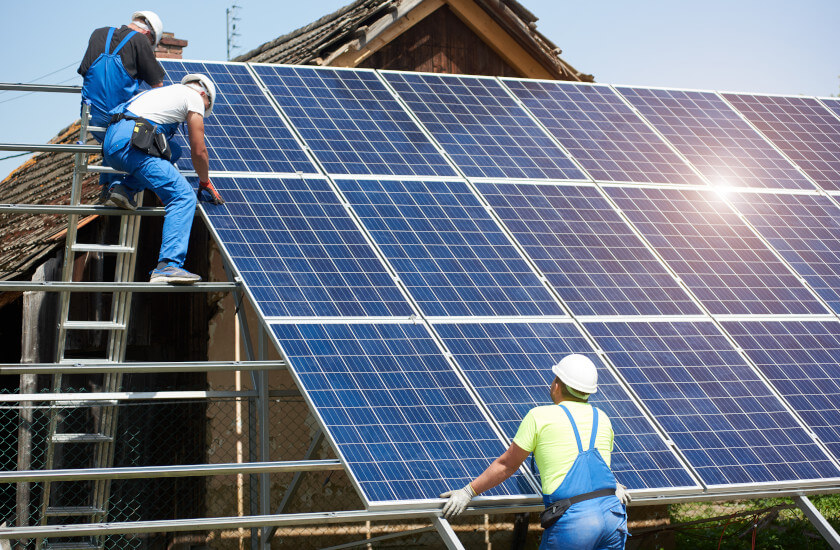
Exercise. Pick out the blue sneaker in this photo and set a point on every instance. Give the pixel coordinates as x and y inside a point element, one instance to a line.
<point>121,197</point>
<point>174,275</point>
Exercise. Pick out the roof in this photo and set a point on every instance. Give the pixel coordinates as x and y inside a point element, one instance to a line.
<point>351,26</point>
<point>43,179</point>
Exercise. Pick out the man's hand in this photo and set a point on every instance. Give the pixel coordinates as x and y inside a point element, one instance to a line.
<point>207,186</point>
<point>622,494</point>
<point>457,501</point>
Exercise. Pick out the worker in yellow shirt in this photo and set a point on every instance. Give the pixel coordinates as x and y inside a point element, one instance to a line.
<point>585,507</point>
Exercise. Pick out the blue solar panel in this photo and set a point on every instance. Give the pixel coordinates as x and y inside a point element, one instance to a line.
<point>602,133</point>
<point>401,419</point>
<point>805,229</point>
<point>447,249</point>
<point>510,366</point>
<point>721,145</point>
<point>720,259</point>
<point>244,133</point>
<point>724,418</point>
<point>482,128</point>
<point>352,123</point>
<point>802,360</point>
<point>587,252</point>
<point>299,252</point>
<point>802,128</point>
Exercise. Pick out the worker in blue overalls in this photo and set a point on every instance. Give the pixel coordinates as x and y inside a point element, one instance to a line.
<point>585,507</point>
<point>115,62</point>
<point>137,142</point>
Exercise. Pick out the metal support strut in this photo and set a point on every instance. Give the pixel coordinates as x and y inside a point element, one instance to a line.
<point>818,520</point>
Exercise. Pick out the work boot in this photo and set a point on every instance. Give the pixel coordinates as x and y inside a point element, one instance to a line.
<point>175,275</point>
<point>121,197</point>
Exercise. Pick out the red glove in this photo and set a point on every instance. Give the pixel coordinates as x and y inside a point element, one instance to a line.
<point>207,186</point>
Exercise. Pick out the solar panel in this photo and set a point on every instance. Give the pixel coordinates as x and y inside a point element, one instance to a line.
<point>586,251</point>
<point>721,145</point>
<point>351,122</point>
<point>718,257</point>
<point>401,419</point>
<point>245,133</point>
<point>447,249</point>
<point>510,366</point>
<point>802,360</point>
<point>801,127</point>
<point>602,133</point>
<point>726,421</point>
<point>805,229</point>
<point>481,127</point>
<point>299,252</point>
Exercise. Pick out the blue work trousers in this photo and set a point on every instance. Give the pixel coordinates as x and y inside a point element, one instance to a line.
<point>98,117</point>
<point>597,524</point>
<point>161,176</point>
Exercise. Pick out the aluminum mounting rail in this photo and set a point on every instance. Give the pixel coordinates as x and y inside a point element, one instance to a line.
<point>61,286</point>
<point>86,366</point>
<point>83,209</point>
<point>40,88</point>
<point>177,470</point>
<point>50,148</point>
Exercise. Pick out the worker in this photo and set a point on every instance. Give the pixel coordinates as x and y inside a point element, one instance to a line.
<point>138,142</point>
<point>115,62</point>
<point>575,478</point>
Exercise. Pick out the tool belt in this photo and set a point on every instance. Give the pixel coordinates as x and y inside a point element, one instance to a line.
<point>555,510</point>
<point>145,137</point>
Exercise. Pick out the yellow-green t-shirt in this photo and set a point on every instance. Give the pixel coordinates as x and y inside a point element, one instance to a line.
<point>547,432</point>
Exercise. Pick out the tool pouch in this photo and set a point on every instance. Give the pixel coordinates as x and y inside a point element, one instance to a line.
<point>553,512</point>
<point>146,138</point>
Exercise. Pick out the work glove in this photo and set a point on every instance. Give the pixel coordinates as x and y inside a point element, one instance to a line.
<point>622,494</point>
<point>457,501</point>
<point>207,187</point>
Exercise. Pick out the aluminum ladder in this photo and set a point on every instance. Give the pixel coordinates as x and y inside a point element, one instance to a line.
<point>101,429</point>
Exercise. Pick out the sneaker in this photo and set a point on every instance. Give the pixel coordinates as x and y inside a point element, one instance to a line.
<point>175,275</point>
<point>121,197</point>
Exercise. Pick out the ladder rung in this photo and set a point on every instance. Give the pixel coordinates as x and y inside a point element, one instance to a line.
<point>106,248</point>
<point>93,325</point>
<point>70,546</point>
<point>81,438</point>
<point>63,511</point>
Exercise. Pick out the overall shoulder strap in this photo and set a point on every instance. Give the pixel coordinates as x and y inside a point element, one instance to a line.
<point>594,427</point>
<point>108,40</point>
<point>124,41</point>
<point>574,426</point>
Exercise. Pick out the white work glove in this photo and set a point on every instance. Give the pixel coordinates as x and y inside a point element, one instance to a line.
<point>622,494</point>
<point>458,500</point>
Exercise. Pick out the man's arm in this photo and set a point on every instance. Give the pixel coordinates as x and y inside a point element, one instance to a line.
<point>198,150</point>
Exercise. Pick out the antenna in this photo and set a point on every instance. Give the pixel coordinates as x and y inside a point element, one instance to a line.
<point>231,13</point>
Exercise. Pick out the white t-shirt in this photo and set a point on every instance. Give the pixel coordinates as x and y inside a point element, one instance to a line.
<point>167,104</point>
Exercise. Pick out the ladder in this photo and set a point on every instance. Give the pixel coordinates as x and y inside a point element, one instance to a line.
<point>94,442</point>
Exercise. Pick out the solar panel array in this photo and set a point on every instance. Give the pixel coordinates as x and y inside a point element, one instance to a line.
<point>424,247</point>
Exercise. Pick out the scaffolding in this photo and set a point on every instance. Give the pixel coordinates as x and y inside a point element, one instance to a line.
<point>263,526</point>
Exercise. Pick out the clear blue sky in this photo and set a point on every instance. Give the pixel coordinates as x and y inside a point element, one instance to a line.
<point>772,46</point>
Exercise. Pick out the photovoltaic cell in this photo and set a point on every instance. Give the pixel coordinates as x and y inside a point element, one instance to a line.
<point>588,253</point>
<point>447,249</point>
<point>805,229</point>
<point>802,128</point>
<point>352,123</point>
<point>721,145</point>
<point>244,133</point>
<point>481,127</point>
<point>299,252</point>
<point>602,133</point>
<point>401,419</point>
<point>802,360</point>
<point>718,257</point>
<point>724,418</point>
<point>510,366</point>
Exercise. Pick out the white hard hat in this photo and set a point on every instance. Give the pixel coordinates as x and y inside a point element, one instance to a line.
<point>154,22</point>
<point>207,84</point>
<point>578,372</point>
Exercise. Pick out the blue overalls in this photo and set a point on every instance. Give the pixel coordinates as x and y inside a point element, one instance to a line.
<point>148,172</point>
<point>596,524</point>
<point>106,85</point>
